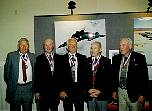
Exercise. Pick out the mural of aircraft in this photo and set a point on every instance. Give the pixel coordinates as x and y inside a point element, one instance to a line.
<point>82,35</point>
<point>147,35</point>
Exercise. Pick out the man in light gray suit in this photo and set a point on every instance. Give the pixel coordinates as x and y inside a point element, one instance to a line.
<point>18,75</point>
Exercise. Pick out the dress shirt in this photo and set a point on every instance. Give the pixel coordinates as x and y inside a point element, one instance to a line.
<point>28,70</point>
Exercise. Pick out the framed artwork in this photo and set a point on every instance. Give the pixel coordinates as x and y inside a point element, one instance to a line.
<point>112,53</point>
<point>143,37</point>
<point>89,30</point>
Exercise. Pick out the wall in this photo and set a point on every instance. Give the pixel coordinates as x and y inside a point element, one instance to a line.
<point>17,20</point>
<point>117,25</point>
<point>17,16</point>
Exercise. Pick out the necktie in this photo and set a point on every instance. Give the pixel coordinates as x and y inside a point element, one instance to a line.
<point>95,65</point>
<point>51,62</point>
<point>50,57</point>
<point>24,68</point>
<point>123,77</point>
<point>125,60</point>
<point>73,60</point>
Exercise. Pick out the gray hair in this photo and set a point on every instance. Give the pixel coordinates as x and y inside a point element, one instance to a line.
<point>97,42</point>
<point>128,40</point>
<point>23,39</point>
<point>47,39</point>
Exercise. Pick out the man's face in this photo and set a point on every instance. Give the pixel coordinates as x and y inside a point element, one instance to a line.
<point>124,47</point>
<point>72,46</point>
<point>48,46</point>
<point>95,50</point>
<point>23,47</point>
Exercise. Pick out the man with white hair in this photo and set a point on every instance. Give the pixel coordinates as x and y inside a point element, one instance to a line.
<point>99,79</point>
<point>47,70</point>
<point>130,77</point>
<point>74,77</point>
<point>19,77</point>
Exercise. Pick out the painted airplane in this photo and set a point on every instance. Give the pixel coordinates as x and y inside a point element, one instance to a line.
<point>147,35</point>
<point>82,35</point>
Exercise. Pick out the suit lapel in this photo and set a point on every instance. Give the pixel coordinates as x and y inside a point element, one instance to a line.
<point>16,61</point>
<point>31,59</point>
<point>67,61</point>
<point>131,62</point>
<point>46,61</point>
<point>90,65</point>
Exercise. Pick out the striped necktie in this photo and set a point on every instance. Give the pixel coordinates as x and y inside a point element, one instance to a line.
<point>95,65</point>
<point>73,68</point>
<point>24,68</point>
<point>51,62</point>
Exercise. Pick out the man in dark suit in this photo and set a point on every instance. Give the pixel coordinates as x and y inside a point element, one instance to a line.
<point>130,77</point>
<point>47,70</point>
<point>74,78</point>
<point>18,75</point>
<point>99,79</point>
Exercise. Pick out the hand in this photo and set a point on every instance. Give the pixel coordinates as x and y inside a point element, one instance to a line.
<point>94,92</point>
<point>98,92</point>
<point>93,95</point>
<point>114,95</point>
<point>37,96</point>
<point>91,91</point>
<point>141,99</point>
<point>63,94</point>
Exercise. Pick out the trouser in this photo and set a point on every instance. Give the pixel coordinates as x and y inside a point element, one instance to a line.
<point>23,98</point>
<point>96,105</point>
<point>68,104</point>
<point>45,106</point>
<point>124,102</point>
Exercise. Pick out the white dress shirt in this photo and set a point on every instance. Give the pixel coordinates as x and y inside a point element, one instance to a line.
<point>28,70</point>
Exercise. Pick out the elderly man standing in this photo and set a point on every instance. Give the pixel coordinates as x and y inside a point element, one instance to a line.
<point>47,71</point>
<point>130,77</point>
<point>74,78</point>
<point>18,75</point>
<point>99,79</point>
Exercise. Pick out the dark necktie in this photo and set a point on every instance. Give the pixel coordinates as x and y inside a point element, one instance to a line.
<point>123,77</point>
<point>95,65</point>
<point>24,68</point>
<point>73,60</point>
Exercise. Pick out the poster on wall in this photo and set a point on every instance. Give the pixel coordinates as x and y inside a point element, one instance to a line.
<point>143,39</point>
<point>86,32</point>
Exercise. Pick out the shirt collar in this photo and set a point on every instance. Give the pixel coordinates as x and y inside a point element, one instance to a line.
<point>48,54</point>
<point>25,55</point>
<point>72,54</point>
<point>98,57</point>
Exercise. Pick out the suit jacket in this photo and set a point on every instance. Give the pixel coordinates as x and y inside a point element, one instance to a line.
<point>67,81</point>
<point>137,75</point>
<point>11,72</point>
<point>103,78</point>
<point>46,82</point>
